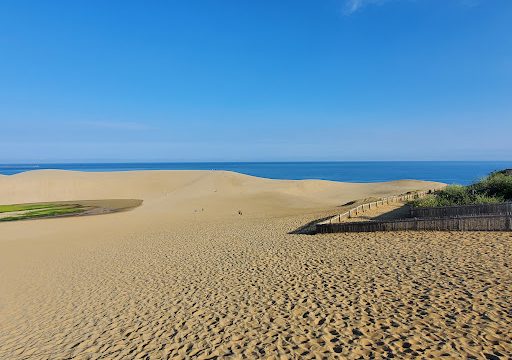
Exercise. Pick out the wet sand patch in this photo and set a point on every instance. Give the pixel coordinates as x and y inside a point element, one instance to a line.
<point>45,210</point>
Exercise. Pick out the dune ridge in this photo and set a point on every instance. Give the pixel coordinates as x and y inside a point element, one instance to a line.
<point>158,186</point>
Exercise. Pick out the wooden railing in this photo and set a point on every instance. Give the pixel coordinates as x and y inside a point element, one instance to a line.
<point>375,204</point>
<point>480,217</point>
<point>467,223</point>
<point>504,208</point>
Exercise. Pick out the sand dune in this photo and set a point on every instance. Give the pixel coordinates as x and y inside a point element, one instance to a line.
<point>180,193</point>
<point>184,275</point>
<point>155,185</point>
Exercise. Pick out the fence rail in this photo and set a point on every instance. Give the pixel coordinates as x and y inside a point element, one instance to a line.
<point>472,223</point>
<point>375,204</point>
<point>483,217</point>
<point>462,210</point>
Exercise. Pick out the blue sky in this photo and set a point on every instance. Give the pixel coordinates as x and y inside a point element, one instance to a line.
<point>240,80</point>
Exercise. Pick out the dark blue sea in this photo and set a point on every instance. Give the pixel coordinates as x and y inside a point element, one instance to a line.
<point>451,172</point>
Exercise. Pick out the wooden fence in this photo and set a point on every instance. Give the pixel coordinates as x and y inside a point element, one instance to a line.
<point>470,223</point>
<point>375,204</point>
<point>462,210</point>
<point>483,217</point>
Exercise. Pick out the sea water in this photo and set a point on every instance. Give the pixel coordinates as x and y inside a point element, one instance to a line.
<point>450,172</point>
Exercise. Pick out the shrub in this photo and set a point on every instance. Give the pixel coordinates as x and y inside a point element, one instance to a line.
<point>495,188</point>
<point>495,185</point>
<point>429,201</point>
<point>455,195</point>
<point>484,199</point>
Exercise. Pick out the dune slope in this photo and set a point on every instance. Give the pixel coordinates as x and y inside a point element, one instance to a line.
<point>185,275</point>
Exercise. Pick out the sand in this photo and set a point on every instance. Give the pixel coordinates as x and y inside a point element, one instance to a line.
<point>186,276</point>
<point>393,211</point>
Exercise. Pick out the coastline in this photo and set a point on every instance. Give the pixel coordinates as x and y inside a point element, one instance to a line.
<point>462,172</point>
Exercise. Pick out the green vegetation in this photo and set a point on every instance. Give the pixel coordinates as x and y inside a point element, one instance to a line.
<point>495,188</point>
<point>65,208</point>
<point>496,185</point>
<point>24,207</point>
<point>34,211</point>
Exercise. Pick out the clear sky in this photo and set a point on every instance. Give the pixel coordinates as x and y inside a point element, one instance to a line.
<point>255,80</point>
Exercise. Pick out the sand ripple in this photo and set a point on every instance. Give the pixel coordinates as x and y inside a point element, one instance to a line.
<point>246,289</point>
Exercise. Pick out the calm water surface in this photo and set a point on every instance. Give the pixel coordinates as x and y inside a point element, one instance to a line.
<point>460,172</point>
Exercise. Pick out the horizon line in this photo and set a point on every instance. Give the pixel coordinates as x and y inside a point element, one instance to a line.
<point>230,162</point>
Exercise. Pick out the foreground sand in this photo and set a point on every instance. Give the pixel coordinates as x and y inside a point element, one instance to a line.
<point>186,275</point>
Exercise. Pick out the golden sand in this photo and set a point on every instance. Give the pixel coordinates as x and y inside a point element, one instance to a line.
<point>185,275</point>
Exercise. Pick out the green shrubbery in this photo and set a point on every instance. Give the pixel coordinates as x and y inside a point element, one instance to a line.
<point>495,188</point>
<point>496,185</point>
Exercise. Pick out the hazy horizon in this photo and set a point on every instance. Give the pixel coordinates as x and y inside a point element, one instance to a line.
<point>254,162</point>
<point>449,172</point>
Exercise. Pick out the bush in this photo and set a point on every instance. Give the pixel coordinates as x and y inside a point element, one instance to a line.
<point>429,201</point>
<point>483,199</point>
<point>455,195</point>
<point>495,188</point>
<point>495,185</point>
<point>488,193</point>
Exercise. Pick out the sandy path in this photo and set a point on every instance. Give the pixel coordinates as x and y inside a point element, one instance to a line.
<point>398,210</point>
<point>146,284</point>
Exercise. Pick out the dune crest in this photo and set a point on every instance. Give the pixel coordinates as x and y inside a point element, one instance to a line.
<point>219,190</point>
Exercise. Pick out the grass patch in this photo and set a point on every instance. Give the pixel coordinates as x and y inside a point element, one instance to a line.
<point>34,211</point>
<point>65,208</point>
<point>24,207</point>
<point>494,188</point>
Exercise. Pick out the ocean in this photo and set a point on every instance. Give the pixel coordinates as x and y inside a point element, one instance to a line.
<point>450,172</point>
